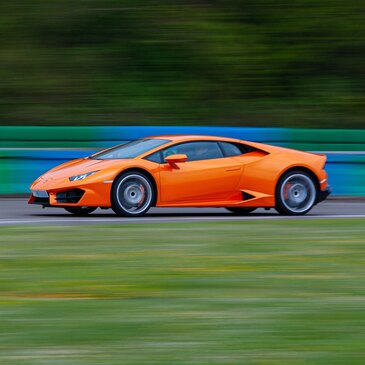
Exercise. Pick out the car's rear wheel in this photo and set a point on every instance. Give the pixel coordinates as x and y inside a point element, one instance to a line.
<point>80,210</point>
<point>296,193</point>
<point>132,194</point>
<point>240,210</point>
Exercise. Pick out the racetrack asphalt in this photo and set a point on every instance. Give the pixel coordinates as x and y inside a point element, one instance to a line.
<point>17,211</point>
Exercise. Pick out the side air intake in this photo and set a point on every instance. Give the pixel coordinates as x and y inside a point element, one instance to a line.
<point>247,196</point>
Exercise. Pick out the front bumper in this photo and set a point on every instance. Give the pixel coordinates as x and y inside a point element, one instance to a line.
<point>42,197</point>
<point>90,195</point>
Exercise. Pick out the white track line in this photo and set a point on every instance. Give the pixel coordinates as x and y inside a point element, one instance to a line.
<point>117,220</point>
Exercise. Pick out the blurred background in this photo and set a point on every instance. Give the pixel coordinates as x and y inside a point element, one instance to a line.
<point>77,76</point>
<point>254,62</point>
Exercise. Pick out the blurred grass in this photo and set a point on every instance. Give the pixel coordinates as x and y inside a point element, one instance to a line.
<point>283,292</point>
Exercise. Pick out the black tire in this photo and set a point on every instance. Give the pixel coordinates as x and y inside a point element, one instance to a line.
<point>80,210</point>
<point>240,210</point>
<point>132,194</point>
<point>296,193</point>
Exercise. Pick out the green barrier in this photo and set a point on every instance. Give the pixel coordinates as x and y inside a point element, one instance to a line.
<point>84,137</point>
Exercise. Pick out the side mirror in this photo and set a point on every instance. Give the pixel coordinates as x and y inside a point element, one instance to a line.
<point>172,160</point>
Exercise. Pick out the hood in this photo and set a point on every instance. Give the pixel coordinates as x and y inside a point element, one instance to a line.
<point>80,166</point>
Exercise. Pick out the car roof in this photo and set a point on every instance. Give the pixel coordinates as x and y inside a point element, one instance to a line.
<point>191,137</point>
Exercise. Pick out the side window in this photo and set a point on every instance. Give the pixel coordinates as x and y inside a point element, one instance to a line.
<point>155,157</point>
<point>195,151</point>
<point>230,149</point>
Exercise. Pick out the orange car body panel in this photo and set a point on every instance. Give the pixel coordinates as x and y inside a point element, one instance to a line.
<point>217,182</point>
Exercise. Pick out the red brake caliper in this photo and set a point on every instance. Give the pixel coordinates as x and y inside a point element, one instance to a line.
<point>143,191</point>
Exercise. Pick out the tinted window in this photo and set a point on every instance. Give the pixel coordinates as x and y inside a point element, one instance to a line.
<point>195,150</point>
<point>155,157</point>
<point>230,149</point>
<point>130,150</point>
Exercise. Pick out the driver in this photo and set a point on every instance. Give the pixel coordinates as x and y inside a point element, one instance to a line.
<point>202,151</point>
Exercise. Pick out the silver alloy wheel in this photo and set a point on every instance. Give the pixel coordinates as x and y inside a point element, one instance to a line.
<point>134,194</point>
<point>298,193</point>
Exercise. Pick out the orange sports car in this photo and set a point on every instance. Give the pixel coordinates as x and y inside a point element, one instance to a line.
<point>186,171</point>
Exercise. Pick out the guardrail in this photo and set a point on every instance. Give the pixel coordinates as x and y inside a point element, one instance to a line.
<point>27,152</point>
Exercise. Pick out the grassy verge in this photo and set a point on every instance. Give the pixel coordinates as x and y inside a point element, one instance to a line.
<point>283,292</point>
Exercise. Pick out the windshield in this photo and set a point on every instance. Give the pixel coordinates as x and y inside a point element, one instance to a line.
<point>130,149</point>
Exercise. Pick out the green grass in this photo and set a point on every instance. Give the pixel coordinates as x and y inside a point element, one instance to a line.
<point>282,292</point>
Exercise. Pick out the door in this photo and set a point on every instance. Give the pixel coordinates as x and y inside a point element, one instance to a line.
<point>206,175</point>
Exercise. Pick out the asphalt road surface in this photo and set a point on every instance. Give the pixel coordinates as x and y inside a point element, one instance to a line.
<point>17,211</point>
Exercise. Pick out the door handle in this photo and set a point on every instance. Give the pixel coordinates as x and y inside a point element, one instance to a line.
<point>233,169</point>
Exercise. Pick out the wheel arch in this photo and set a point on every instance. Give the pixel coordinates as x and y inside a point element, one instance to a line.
<point>302,169</point>
<point>144,172</point>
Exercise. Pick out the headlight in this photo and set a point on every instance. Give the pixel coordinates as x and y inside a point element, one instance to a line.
<point>82,176</point>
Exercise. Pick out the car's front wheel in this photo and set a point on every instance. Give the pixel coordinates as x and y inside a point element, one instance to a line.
<point>80,210</point>
<point>240,210</point>
<point>132,194</point>
<point>296,193</point>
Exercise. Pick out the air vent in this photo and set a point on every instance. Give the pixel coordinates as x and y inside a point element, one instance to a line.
<point>247,196</point>
<point>41,201</point>
<point>70,196</point>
